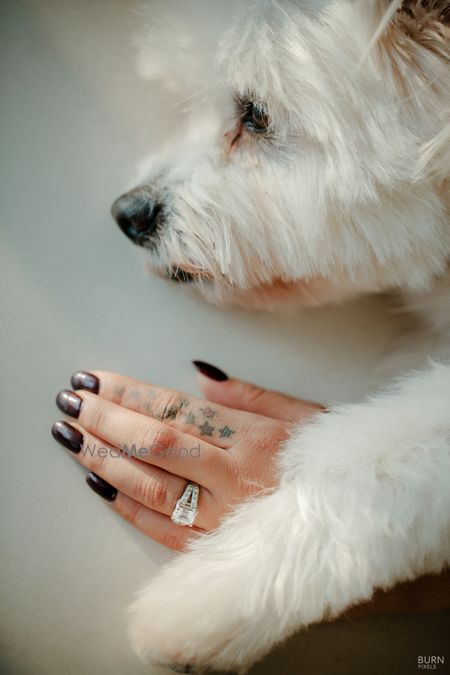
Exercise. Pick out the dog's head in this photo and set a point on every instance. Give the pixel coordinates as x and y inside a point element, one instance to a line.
<point>316,164</point>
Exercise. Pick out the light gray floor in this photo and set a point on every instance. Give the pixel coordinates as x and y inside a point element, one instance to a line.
<point>74,120</point>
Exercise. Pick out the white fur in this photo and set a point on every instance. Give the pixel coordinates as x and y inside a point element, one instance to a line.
<point>349,195</point>
<point>364,502</point>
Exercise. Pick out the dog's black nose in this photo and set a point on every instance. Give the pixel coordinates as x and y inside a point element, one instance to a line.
<point>137,215</point>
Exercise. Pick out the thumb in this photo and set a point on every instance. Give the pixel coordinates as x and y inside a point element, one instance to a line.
<point>233,393</point>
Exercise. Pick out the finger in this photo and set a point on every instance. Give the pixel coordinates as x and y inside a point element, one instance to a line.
<point>153,524</point>
<point>148,439</point>
<point>233,393</point>
<point>149,485</point>
<point>216,424</point>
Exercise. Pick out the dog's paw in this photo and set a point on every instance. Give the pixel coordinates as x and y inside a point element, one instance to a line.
<point>238,592</point>
<point>213,607</point>
<point>187,616</point>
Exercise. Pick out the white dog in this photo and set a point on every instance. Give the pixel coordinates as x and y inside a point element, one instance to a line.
<point>316,167</point>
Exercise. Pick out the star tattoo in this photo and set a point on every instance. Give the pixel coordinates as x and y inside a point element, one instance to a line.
<point>208,412</point>
<point>206,428</point>
<point>226,432</point>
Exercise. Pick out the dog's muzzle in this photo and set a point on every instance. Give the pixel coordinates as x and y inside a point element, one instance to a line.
<point>138,216</point>
<point>142,218</point>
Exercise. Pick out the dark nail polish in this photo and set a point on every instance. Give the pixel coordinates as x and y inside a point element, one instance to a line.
<point>84,380</point>
<point>68,436</point>
<point>69,402</point>
<point>210,371</point>
<point>101,487</point>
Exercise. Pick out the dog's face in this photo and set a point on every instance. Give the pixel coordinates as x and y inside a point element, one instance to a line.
<point>304,174</point>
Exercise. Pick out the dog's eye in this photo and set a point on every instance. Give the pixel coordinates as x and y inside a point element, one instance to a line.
<point>254,117</point>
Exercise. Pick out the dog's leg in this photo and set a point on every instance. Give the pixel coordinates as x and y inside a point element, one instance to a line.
<point>364,502</point>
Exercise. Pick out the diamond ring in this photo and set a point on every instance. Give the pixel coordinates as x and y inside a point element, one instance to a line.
<point>186,508</point>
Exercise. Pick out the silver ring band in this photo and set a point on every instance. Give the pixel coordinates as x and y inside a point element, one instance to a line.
<point>186,509</point>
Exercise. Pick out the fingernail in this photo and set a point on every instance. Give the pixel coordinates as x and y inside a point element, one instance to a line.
<point>69,402</point>
<point>84,380</point>
<point>210,371</point>
<point>101,487</point>
<point>68,436</point>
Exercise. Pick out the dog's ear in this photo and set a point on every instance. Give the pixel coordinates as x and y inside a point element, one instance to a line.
<point>413,23</point>
<point>426,23</point>
<point>439,10</point>
<point>414,35</point>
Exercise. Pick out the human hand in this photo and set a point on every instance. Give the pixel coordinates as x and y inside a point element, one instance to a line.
<point>143,444</point>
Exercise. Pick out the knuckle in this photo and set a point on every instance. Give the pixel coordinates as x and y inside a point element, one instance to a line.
<point>274,434</point>
<point>268,436</point>
<point>153,493</point>
<point>160,438</point>
<point>220,468</point>
<point>131,511</point>
<point>212,463</point>
<point>167,407</point>
<point>255,394</point>
<point>228,473</point>
<point>174,538</point>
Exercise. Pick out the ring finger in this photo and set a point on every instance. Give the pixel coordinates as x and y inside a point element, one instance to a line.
<point>153,524</point>
<point>146,484</point>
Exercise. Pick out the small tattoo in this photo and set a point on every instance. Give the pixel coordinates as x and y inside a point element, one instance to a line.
<point>206,428</point>
<point>119,391</point>
<point>184,403</point>
<point>189,418</point>
<point>226,432</point>
<point>147,407</point>
<point>208,412</point>
<point>171,413</point>
<point>135,394</point>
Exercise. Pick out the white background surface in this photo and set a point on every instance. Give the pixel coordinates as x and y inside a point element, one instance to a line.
<point>74,121</point>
